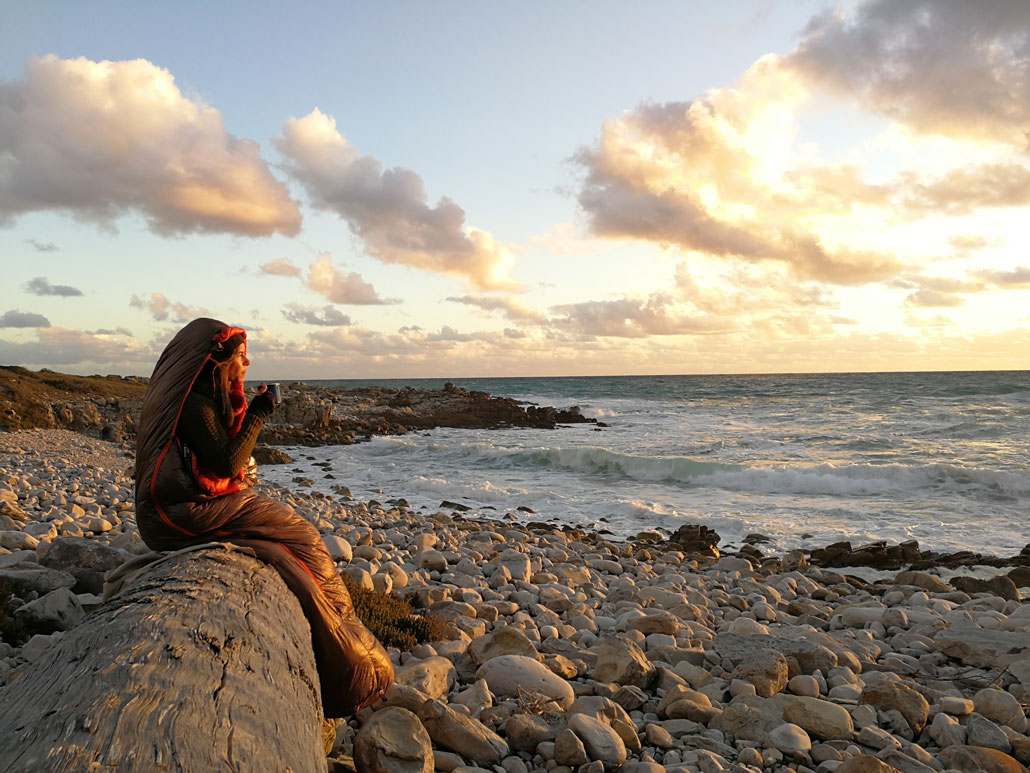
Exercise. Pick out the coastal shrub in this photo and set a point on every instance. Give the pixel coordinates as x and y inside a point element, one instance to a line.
<point>392,620</point>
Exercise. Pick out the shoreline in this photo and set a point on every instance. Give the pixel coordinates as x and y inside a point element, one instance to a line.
<point>674,660</point>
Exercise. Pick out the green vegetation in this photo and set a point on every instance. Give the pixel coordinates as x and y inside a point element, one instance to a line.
<point>393,621</point>
<point>26,395</point>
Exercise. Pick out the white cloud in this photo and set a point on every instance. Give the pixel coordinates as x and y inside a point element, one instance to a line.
<point>100,139</point>
<point>56,347</point>
<point>328,280</point>
<point>388,209</point>
<point>656,315</point>
<point>731,175</point>
<point>512,308</point>
<point>280,267</point>
<point>163,309</point>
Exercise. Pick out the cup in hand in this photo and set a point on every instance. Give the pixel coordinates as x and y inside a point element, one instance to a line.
<point>276,393</point>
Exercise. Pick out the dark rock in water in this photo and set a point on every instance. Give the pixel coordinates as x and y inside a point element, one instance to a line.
<point>342,490</point>
<point>997,586</point>
<point>1020,576</point>
<point>302,481</point>
<point>266,455</point>
<point>752,539</point>
<point>447,505</point>
<point>696,538</point>
<point>876,555</point>
<point>524,509</point>
<point>87,561</point>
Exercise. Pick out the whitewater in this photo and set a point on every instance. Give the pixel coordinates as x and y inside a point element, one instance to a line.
<point>805,460</point>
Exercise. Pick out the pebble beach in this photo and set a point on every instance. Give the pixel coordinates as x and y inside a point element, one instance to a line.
<point>570,651</point>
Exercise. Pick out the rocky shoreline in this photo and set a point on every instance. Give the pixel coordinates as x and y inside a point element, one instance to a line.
<point>569,651</point>
<point>108,407</point>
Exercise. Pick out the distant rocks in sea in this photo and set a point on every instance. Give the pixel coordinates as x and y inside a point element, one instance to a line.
<point>568,651</point>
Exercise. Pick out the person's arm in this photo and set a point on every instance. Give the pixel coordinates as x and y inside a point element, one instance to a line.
<point>200,427</point>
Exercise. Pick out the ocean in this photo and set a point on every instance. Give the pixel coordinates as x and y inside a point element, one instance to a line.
<point>943,458</point>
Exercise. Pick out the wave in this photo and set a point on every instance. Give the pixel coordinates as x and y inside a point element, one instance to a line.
<point>824,479</point>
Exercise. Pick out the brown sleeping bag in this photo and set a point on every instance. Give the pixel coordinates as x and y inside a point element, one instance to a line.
<point>172,513</point>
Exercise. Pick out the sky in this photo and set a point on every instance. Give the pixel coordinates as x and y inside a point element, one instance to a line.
<point>459,189</point>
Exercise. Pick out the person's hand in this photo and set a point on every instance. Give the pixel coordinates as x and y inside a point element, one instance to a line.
<point>262,405</point>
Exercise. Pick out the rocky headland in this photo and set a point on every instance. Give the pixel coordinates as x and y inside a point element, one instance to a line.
<point>567,650</point>
<point>108,407</point>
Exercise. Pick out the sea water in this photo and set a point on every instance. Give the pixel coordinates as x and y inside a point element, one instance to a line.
<point>805,460</point>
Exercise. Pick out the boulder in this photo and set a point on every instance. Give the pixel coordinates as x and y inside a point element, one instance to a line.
<point>26,577</point>
<point>622,662</point>
<point>462,734</point>
<point>887,695</point>
<point>809,655</point>
<point>601,742</point>
<point>501,641</point>
<point>821,719</point>
<point>433,676</point>
<point>977,759</point>
<point>85,559</point>
<point>393,740</point>
<point>765,669</point>
<point>516,676</point>
<point>59,610</point>
<point>983,647</point>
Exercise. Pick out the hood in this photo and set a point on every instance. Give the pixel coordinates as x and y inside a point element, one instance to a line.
<point>177,368</point>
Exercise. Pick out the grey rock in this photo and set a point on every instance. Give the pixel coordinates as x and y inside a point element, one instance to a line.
<point>393,740</point>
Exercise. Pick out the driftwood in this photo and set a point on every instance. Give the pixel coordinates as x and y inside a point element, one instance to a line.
<point>203,663</point>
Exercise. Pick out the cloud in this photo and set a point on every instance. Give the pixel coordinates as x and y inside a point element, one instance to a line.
<point>388,208</point>
<point>40,286</point>
<point>42,246</point>
<point>307,315</point>
<point>946,67</point>
<point>101,139</point>
<point>163,309</point>
<point>963,191</point>
<point>15,318</point>
<point>693,175</point>
<point>732,176</point>
<point>62,347</point>
<point>1013,279</point>
<point>280,267</point>
<point>328,280</point>
<point>118,331</point>
<point>635,318</point>
<point>512,308</point>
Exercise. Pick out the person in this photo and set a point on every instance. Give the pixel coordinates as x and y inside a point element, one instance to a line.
<point>194,439</point>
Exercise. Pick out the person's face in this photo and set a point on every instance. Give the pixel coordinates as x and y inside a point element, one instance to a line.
<point>237,368</point>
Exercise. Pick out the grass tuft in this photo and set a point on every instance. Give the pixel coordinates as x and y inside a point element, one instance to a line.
<point>393,621</point>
